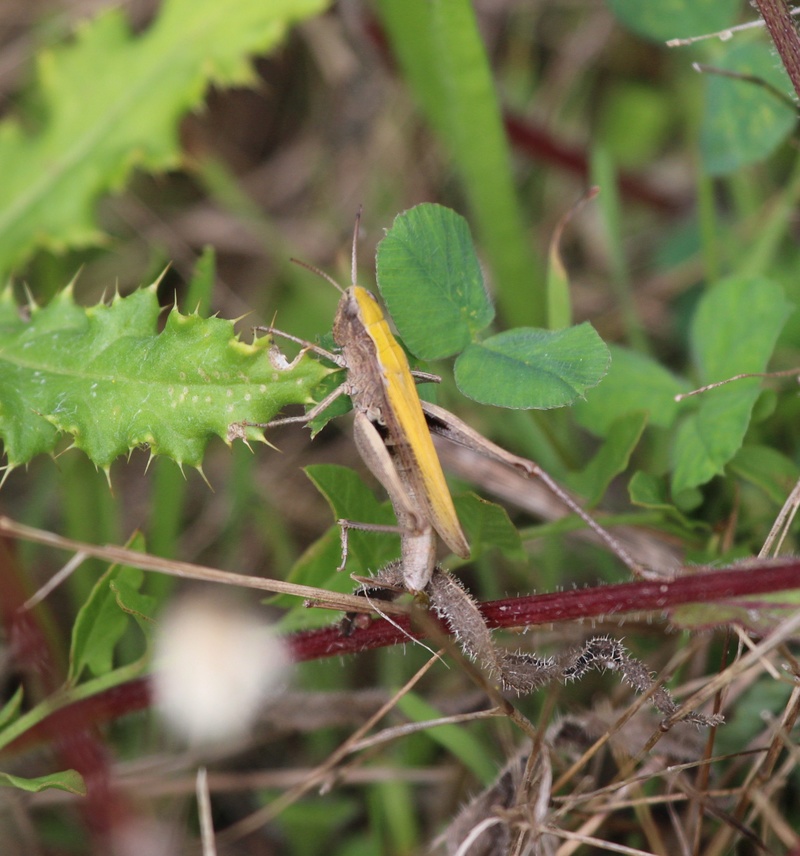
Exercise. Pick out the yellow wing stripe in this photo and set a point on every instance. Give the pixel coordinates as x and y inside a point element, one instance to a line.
<point>401,393</point>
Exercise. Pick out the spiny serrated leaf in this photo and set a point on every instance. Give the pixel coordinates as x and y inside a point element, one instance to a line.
<point>105,377</point>
<point>112,101</point>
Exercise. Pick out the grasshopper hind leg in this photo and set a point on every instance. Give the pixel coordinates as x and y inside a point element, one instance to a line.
<point>520,673</point>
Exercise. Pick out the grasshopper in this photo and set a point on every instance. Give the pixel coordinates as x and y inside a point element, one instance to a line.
<point>392,432</point>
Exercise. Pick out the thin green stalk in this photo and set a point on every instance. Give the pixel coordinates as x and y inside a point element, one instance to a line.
<point>604,175</point>
<point>773,227</point>
<point>708,226</point>
<point>440,51</point>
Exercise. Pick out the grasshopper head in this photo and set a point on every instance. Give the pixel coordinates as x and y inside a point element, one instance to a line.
<point>357,310</point>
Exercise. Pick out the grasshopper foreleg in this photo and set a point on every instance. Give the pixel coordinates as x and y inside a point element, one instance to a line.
<point>235,430</point>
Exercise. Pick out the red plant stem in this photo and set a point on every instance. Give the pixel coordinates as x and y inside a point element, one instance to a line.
<point>539,144</point>
<point>72,735</point>
<point>782,30</point>
<point>707,587</point>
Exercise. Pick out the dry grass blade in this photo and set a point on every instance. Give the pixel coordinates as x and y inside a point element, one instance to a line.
<point>186,570</point>
<point>204,812</point>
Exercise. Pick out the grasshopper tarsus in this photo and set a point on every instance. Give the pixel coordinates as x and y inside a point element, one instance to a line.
<point>343,537</point>
<point>382,588</point>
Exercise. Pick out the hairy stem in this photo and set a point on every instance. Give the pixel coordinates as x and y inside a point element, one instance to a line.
<point>782,30</point>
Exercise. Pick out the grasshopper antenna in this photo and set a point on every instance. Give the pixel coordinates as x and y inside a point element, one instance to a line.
<point>322,273</point>
<point>319,272</point>
<point>355,245</point>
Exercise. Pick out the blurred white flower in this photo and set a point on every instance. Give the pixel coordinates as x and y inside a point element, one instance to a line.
<point>216,664</point>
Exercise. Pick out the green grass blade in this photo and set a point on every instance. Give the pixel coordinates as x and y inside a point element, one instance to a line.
<point>440,51</point>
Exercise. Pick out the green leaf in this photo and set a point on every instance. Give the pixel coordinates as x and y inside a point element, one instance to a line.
<point>338,407</point>
<point>99,625</point>
<point>309,824</point>
<point>733,331</point>
<point>106,378</point>
<point>649,491</point>
<point>675,19</point>
<point>140,607</point>
<point>431,280</point>
<point>559,300</point>
<point>350,499</point>
<point>439,49</point>
<point>635,123</point>
<point>488,526</point>
<point>634,382</point>
<point>559,304</point>
<point>103,619</point>
<point>530,368</point>
<point>112,101</point>
<point>762,698</point>
<point>767,469</point>
<point>758,613</point>
<point>604,174</point>
<point>315,567</point>
<point>612,459</point>
<point>66,780</point>
<point>743,122</point>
